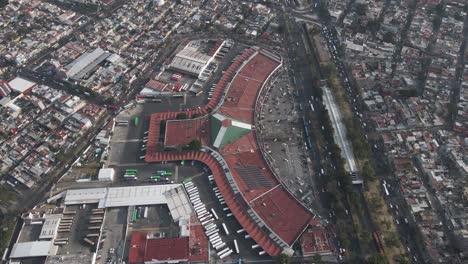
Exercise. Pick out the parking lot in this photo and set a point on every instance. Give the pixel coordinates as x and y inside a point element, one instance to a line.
<point>78,231</point>
<point>208,198</point>
<point>282,139</point>
<point>114,234</point>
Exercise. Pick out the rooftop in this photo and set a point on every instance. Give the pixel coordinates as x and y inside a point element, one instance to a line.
<point>144,249</point>
<point>259,189</point>
<point>21,85</point>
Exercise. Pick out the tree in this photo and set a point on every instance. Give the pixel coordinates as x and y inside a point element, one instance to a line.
<point>368,172</point>
<point>361,9</point>
<point>329,70</point>
<point>283,259</point>
<point>377,259</point>
<point>389,37</point>
<point>317,259</point>
<point>3,3</point>
<point>195,145</point>
<point>181,116</point>
<point>391,240</point>
<point>375,203</point>
<point>402,259</point>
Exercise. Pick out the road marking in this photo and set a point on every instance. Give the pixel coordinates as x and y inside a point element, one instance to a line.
<point>147,229</point>
<point>126,140</point>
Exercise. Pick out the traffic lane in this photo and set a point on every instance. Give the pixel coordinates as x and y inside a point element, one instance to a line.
<point>300,67</point>
<point>60,85</point>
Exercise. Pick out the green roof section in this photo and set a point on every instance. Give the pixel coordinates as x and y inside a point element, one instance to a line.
<point>225,130</point>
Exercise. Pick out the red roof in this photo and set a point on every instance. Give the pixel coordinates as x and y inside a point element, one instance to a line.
<point>280,211</point>
<point>198,243</point>
<point>156,85</point>
<point>162,249</point>
<point>182,132</point>
<point>315,241</point>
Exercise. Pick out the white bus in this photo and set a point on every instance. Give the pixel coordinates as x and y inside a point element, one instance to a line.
<point>225,229</point>
<point>220,246</point>
<point>240,231</point>
<point>215,241</point>
<point>210,226</point>
<point>223,251</point>
<point>211,232</point>
<point>236,247</point>
<point>215,215</point>
<point>225,254</point>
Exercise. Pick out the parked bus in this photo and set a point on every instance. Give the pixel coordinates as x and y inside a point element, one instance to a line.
<point>218,247</point>
<point>223,251</point>
<point>225,229</point>
<point>214,213</point>
<point>236,247</point>
<point>131,170</point>
<point>155,177</point>
<point>89,241</point>
<point>135,121</point>
<point>240,231</point>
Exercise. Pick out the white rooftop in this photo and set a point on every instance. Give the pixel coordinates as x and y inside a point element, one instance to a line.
<point>84,196</point>
<point>190,60</point>
<point>121,196</point>
<point>33,249</point>
<point>106,174</point>
<point>50,226</point>
<point>20,85</point>
<point>138,195</point>
<point>178,203</point>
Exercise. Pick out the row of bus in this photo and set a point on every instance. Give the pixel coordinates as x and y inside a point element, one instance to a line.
<point>228,213</point>
<point>207,219</point>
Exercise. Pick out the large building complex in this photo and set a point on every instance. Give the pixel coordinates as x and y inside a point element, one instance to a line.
<point>191,60</point>
<point>85,63</point>
<point>87,221</point>
<point>259,201</point>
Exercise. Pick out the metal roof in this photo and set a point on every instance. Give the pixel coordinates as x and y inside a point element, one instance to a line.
<point>20,85</point>
<point>33,249</point>
<point>123,196</point>
<point>137,195</point>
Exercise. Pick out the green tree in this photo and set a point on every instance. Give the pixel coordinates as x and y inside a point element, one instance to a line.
<point>402,259</point>
<point>3,3</point>
<point>283,259</point>
<point>377,259</point>
<point>375,203</point>
<point>317,259</point>
<point>195,145</point>
<point>368,171</point>
<point>181,116</point>
<point>391,240</point>
<point>389,37</point>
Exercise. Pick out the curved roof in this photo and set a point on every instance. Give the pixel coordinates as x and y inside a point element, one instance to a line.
<point>265,209</point>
